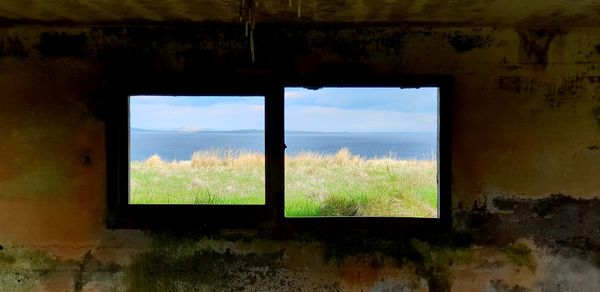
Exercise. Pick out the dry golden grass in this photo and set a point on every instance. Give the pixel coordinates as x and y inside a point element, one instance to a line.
<point>342,157</point>
<point>227,157</point>
<point>340,184</point>
<point>154,161</point>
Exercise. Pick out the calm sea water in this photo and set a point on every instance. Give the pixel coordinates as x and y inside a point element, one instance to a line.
<point>180,146</point>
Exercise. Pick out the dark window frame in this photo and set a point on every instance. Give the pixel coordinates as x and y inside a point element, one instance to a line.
<point>407,224</point>
<point>121,214</point>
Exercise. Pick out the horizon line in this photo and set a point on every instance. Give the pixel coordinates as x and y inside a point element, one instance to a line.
<point>257,130</point>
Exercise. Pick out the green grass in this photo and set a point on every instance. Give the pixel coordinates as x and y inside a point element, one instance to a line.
<point>316,185</point>
<point>209,178</point>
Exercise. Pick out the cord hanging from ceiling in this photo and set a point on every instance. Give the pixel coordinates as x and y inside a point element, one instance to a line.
<point>299,7</point>
<point>247,12</point>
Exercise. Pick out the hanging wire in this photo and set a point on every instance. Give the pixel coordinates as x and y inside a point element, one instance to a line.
<point>247,11</point>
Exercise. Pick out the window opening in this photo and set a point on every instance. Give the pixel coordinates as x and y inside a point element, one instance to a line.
<point>207,150</point>
<point>362,152</point>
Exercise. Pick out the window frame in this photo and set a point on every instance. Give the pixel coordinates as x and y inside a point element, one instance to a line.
<point>122,214</point>
<point>407,224</point>
<point>271,215</point>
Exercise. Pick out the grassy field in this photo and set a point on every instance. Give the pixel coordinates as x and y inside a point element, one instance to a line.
<point>316,185</point>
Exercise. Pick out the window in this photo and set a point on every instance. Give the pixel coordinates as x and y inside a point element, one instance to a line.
<point>361,152</point>
<point>302,155</point>
<point>196,150</point>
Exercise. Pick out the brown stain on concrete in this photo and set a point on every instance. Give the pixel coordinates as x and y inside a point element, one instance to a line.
<point>466,12</point>
<point>596,115</point>
<point>567,90</point>
<point>534,44</point>
<point>500,147</point>
<point>361,272</point>
<point>464,43</point>
<point>12,47</point>
<point>44,183</point>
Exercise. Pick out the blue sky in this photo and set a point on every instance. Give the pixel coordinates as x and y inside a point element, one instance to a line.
<point>197,113</point>
<point>327,109</point>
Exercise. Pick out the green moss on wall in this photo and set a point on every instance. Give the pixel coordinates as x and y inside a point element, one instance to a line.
<point>21,269</point>
<point>520,255</point>
<point>193,270</point>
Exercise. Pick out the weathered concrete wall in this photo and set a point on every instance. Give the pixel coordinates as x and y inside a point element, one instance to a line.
<point>526,158</point>
<point>465,12</point>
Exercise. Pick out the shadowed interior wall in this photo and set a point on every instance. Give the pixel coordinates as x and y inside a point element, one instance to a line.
<point>525,146</point>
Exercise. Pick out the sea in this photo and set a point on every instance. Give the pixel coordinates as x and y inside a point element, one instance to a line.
<point>173,145</point>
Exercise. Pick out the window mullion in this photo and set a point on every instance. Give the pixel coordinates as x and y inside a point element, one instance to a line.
<point>274,150</point>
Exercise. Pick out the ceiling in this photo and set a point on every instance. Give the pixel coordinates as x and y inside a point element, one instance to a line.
<point>427,12</point>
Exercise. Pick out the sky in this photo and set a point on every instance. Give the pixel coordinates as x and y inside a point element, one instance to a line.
<point>323,110</point>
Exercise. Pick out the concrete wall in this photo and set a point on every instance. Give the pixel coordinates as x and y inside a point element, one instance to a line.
<point>526,159</point>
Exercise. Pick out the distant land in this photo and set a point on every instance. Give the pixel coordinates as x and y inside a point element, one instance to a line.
<point>188,130</point>
<point>251,131</point>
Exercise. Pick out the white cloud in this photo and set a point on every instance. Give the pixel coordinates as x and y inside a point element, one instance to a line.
<point>235,116</point>
<point>315,118</point>
<point>294,94</point>
<point>257,108</point>
<point>149,98</point>
<point>222,116</point>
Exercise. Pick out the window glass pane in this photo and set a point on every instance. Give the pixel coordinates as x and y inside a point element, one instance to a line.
<point>369,152</point>
<point>197,150</point>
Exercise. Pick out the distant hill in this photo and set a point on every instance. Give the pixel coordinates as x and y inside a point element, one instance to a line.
<point>138,130</point>
<point>240,131</point>
<point>190,130</point>
<point>315,132</point>
<point>253,131</point>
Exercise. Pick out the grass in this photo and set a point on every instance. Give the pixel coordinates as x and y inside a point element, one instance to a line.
<point>210,177</point>
<point>341,184</point>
